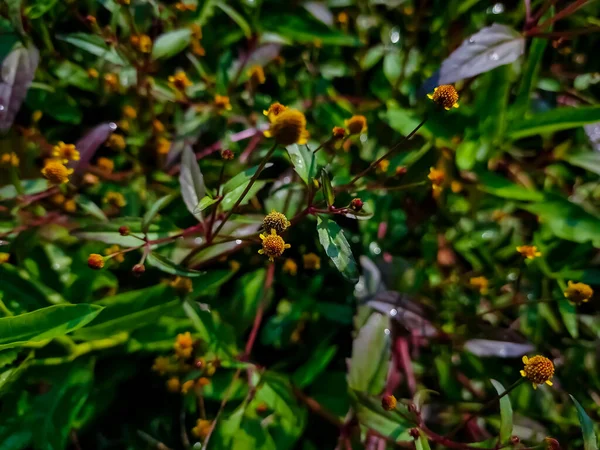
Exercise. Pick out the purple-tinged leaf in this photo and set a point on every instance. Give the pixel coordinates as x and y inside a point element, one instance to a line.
<point>500,349</point>
<point>407,313</point>
<point>18,70</point>
<point>88,144</point>
<point>487,49</point>
<point>191,181</point>
<point>593,133</point>
<point>320,11</point>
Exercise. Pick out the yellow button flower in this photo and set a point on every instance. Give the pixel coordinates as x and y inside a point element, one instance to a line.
<point>116,251</point>
<point>56,172</point>
<point>445,96</point>
<point>142,42</point>
<point>529,251</point>
<point>356,124</point>
<point>311,261</point>
<point>115,199</point>
<point>275,221</point>
<point>129,112</point>
<point>273,245</point>
<point>10,159</point>
<point>182,285</point>
<point>388,402</point>
<point>65,152</point>
<point>288,127</point>
<point>95,261</point>
<point>173,384</point>
<point>538,370</point>
<point>257,75</point>
<point>4,257</point>
<point>116,142</point>
<point>202,428</point>
<point>222,102</point>
<point>111,81</point>
<point>179,81</point>
<point>163,145</point>
<point>161,365</point>
<point>184,345</point>
<point>290,267</point>
<point>480,283</point>
<point>436,176</point>
<point>105,164</point>
<point>274,110</point>
<point>578,292</point>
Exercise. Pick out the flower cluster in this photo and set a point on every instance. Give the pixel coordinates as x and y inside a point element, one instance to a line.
<point>273,244</point>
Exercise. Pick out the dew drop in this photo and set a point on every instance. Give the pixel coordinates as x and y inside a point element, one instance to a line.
<point>112,126</point>
<point>494,56</point>
<point>375,248</point>
<point>198,240</point>
<point>363,138</point>
<point>471,40</point>
<point>394,35</point>
<point>238,241</point>
<point>387,331</point>
<point>1,107</point>
<point>393,312</point>
<point>498,8</point>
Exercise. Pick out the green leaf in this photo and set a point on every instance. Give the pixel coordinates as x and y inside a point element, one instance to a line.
<point>95,45</point>
<point>392,67</point>
<point>129,311</point>
<point>18,285</point>
<point>46,323</point>
<point>241,178</point>
<point>153,211</point>
<point>566,220</point>
<point>205,203</point>
<point>33,186</point>
<point>171,43</point>
<point>373,56</point>
<point>230,198</point>
<point>303,28</point>
<point>521,105</point>
<point>586,160</point>
<point>56,104</point>
<point>506,414</point>
<point>391,424</point>
<point>370,355</point>
<point>108,232</point>
<point>554,120</point>
<point>167,266</point>
<point>590,441</point>
<point>422,443</point>
<point>327,188</point>
<point>337,248</point>
<point>14,13</point>
<point>568,312</point>
<point>59,408</point>
<point>191,181</point>
<point>39,8</point>
<point>501,187</point>
<point>318,362</point>
<point>304,162</point>
<point>237,18</point>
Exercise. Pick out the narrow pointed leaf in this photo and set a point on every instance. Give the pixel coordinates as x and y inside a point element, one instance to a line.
<point>506,414</point>
<point>337,248</point>
<point>164,264</point>
<point>191,181</point>
<point>590,440</point>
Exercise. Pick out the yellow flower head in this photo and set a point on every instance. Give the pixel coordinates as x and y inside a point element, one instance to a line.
<point>65,152</point>
<point>529,251</point>
<point>116,251</point>
<point>92,73</point>
<point>234,265</point>
<point>480,283</point>
<point>274,110</point>
<point>445,96</point>
<point>538,370</point>
<point>179,81</point>
<point>142,42</point>
<point>182,285</point>
<point>257,75</point>
<point>173,384</point>
<point>184,345</point>
<point>290,267</point>
<point>578,292</point>
<point>115,199</point>
<point>4,257</point>
<point>163,145</point>
<point>57,199</point>
<point>222,102</point>
<point>356,124</point>
<point>161,365</point>
<point>203,381</point>
<point>181,6</point>
<point>116,142</point>
<point>311,261</point>
<point>388,402</point>
<point>288,127</point>
<point>436,176</point>
<point>10,159</point>
<point>157,126</point>
<point>202,428</point>
<point>196,31</point>
<point>105,164</point>
<point>111,81</point>
<point>273,245</point>
<point>129,112</point>
<point>338,132</point>
<point>275,221</point>
<point>342,17</point>
<point>187,386</point>
<point>95,261</point>
<point>456,186</point>
<point>383,165</point>
<point>69,206</point>
<point>37,115</point>
<point>56,172</point>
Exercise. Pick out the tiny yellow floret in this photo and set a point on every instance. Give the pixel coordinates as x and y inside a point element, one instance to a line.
<point>273,245</point>
<point>311,261</point>
<point>274,110</point>
<point>65,152</point>
<point>184,345</point>
<point>480,283</point>
<point>578,293</point>
<point>356,124</point>
<point>529,251</point>
<point>56,172</point>
<point>538,370</point>
<point>115,199</point>
<point>445,96</point>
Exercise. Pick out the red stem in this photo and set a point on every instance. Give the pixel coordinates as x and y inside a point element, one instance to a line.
<point>260,311</point>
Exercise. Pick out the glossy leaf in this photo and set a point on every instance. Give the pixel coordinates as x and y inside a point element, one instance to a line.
<point>171,43</point>
<point>327,188</point>
<point>89,143</point>
<point>391,424</point>
<point>167,266</point>
<point>44,324</point>
<point>231,198</point>
<point>501,187</point>
<point>487,49</point>
<point>18,70</point>
<point>337,248</point>
<point>557,119</point>
<point>499,349</point>
<point>154,210</point>
<point>205,203</point>
<point>370,355</point>
<point>236,17</point>
<point>95,45</point>
<point>590,440</point>
<point>506,414</point>
<point>191,181</point>
<point>422,443</point>
<point>304,162</point>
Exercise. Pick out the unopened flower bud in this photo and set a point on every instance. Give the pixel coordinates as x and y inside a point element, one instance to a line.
<point>388,402</point>
<point>124,230</point>
<point>138,269</point>
<point>356,204</point>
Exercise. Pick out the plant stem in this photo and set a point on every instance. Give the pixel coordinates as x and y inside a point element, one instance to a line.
<point>247,189</point>
<point>386,155</point>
